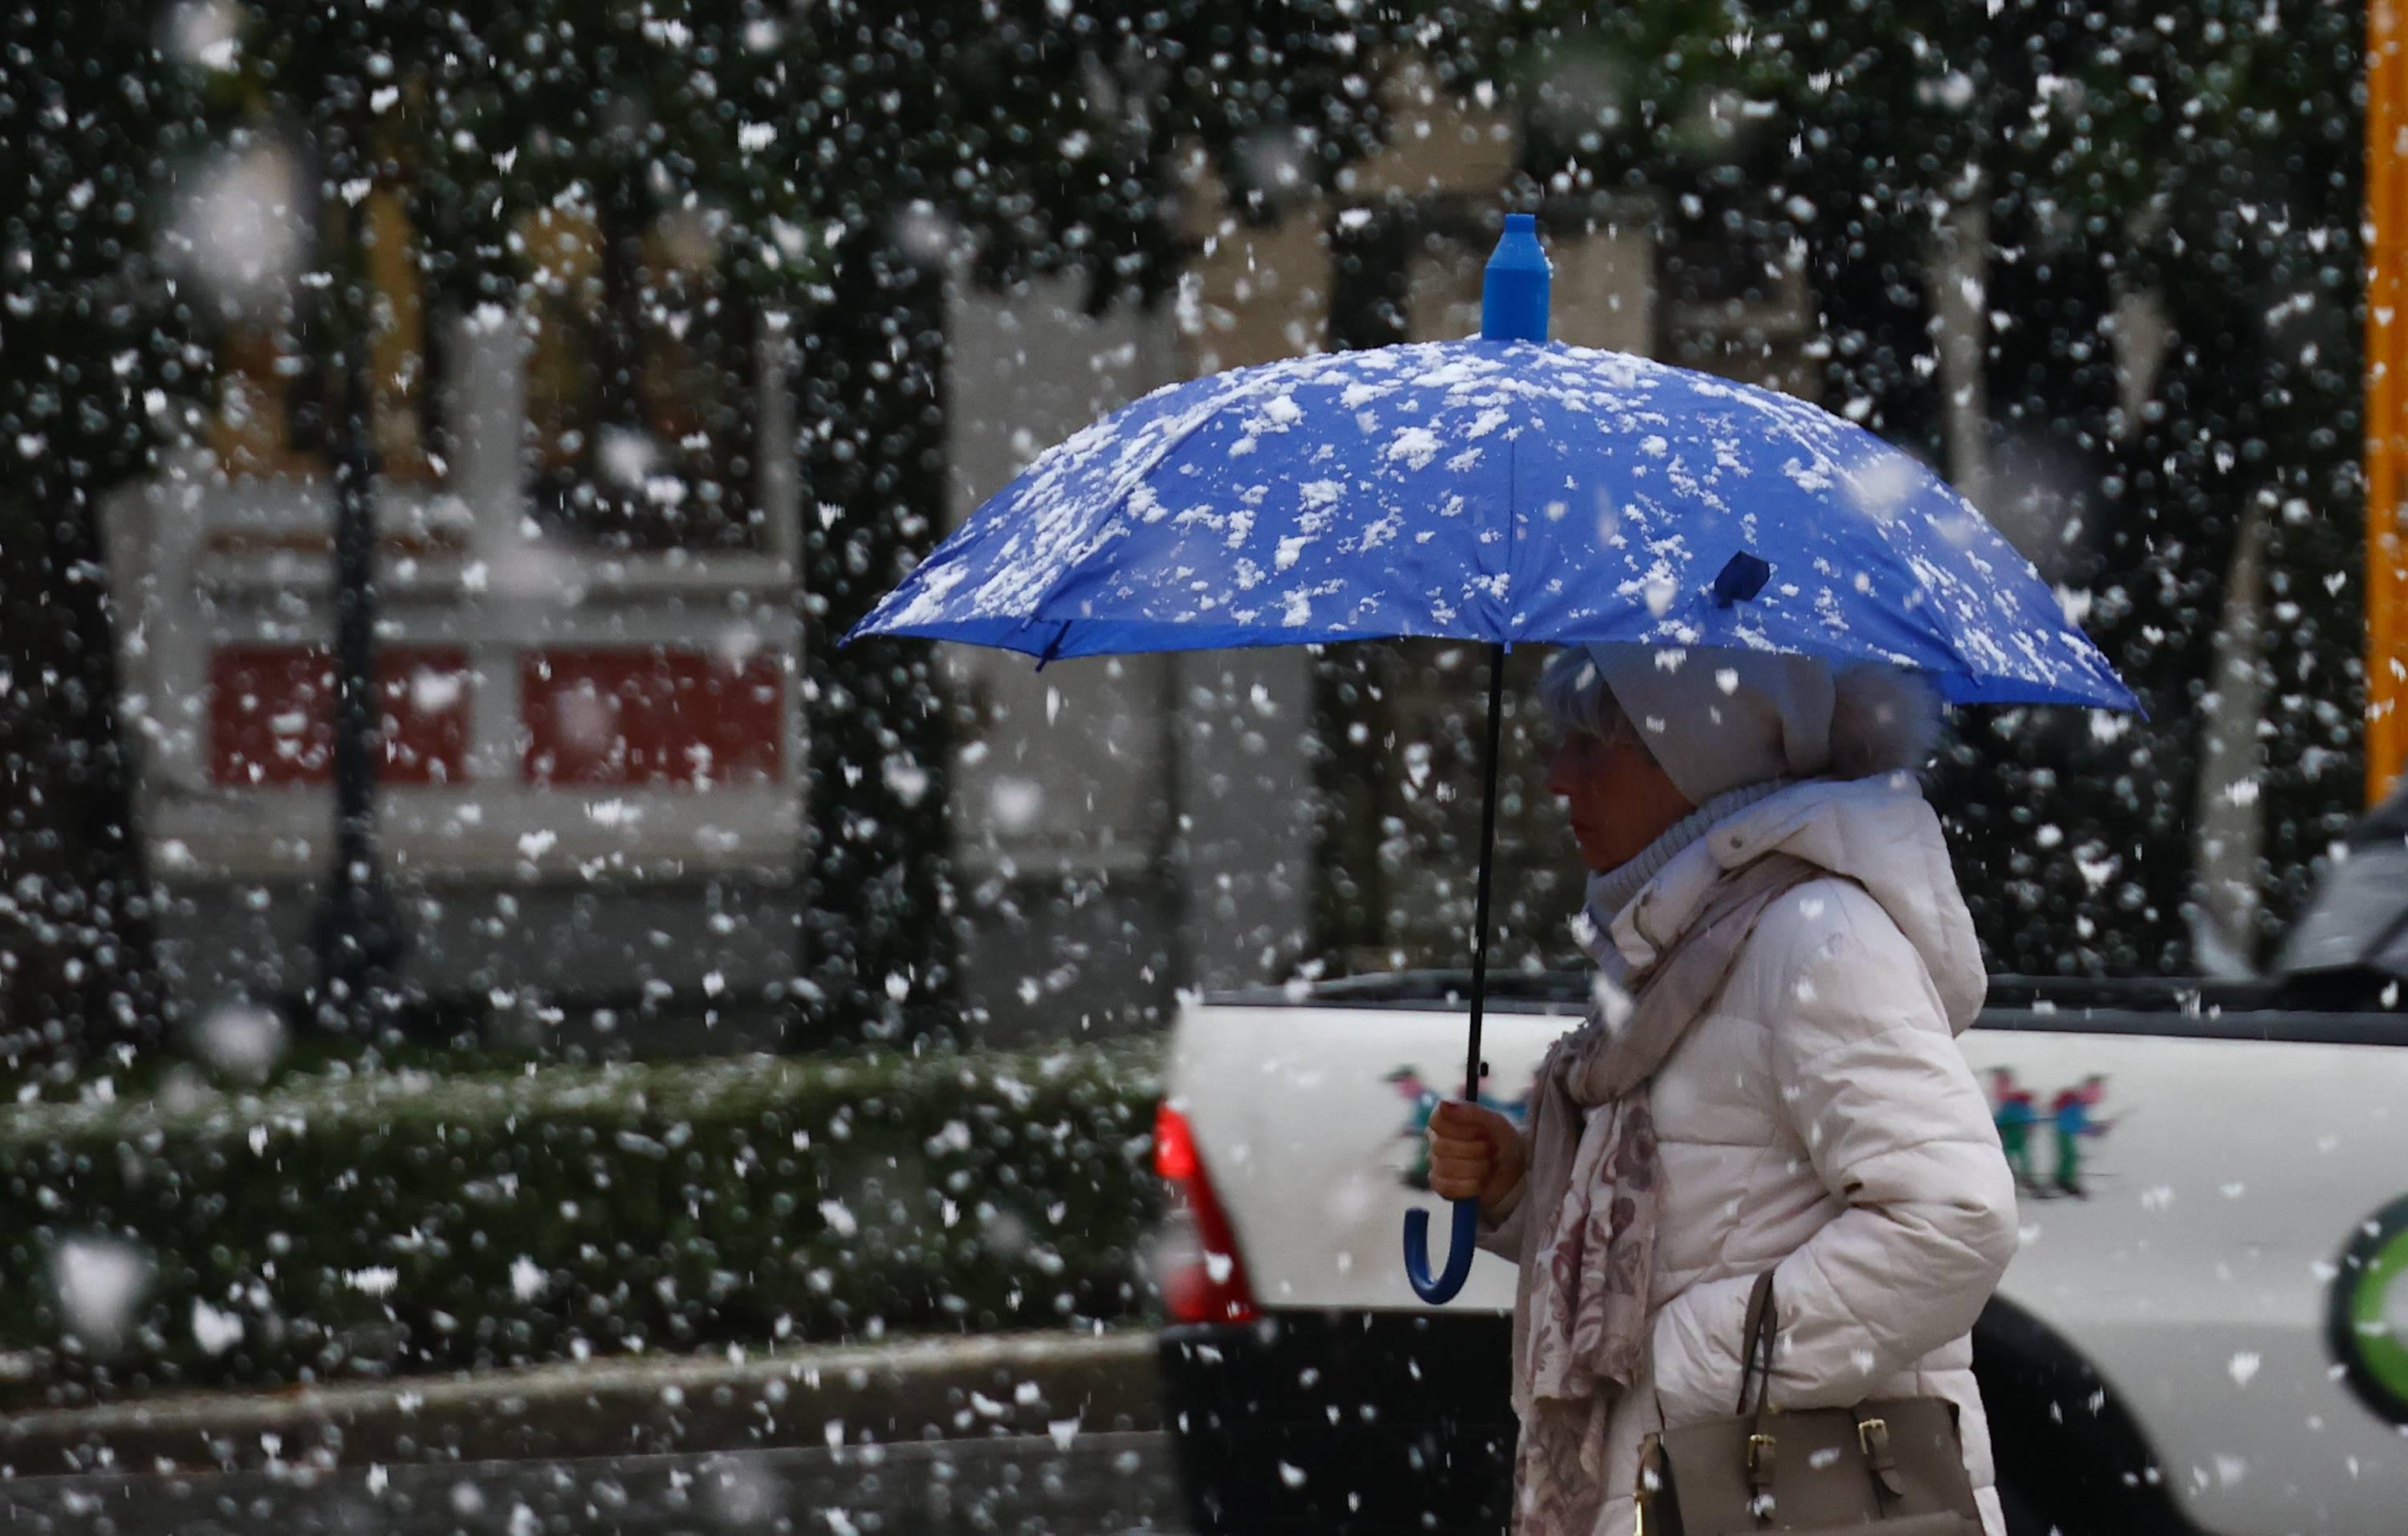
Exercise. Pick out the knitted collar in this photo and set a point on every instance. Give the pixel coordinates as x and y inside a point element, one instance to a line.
<point>1614,889</point>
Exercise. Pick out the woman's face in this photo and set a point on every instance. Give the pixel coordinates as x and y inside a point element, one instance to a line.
<point>1618,800</point>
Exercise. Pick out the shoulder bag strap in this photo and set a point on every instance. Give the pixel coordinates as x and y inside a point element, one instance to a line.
<point>1755,1362</point>
<point>1763,1321</point>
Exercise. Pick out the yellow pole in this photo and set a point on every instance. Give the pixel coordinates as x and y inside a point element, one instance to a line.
<point>2387,395</point>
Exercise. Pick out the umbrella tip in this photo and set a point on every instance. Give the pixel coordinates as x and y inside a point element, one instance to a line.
<point>1514,290</point>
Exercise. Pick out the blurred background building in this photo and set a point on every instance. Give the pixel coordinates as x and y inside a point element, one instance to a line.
<point>627,503</point>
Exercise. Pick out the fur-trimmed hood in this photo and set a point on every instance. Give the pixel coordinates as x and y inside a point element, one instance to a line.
<point>1879,833</point>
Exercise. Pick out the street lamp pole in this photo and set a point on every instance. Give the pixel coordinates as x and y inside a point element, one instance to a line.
<point>360,936</point>
<point>2386,402</point>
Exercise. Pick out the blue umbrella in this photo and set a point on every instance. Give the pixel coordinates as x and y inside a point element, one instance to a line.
<point>1502,488</point>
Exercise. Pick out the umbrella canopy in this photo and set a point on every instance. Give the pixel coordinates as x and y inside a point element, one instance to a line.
<point>1502,488</point>
<point>1498,491</point>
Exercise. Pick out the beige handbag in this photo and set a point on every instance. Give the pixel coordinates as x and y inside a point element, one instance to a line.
<point>1884,1468</point>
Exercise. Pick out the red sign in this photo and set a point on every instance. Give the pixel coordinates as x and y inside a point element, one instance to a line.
<point>657,717</point>
<point>272,714</point>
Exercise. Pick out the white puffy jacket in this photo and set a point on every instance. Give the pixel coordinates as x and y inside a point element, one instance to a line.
<point>1820,1121</point>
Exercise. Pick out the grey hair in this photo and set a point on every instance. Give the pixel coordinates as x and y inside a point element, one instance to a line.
<point>1573,691</point>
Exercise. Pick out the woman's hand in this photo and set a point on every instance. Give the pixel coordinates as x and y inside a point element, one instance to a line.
<point>1474,1153</point>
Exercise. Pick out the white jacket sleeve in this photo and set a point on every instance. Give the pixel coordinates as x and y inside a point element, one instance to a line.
<point>1502,1233</point>
<point>1900,1132</point>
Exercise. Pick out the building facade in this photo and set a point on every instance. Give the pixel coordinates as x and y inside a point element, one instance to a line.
<point>595,787</point>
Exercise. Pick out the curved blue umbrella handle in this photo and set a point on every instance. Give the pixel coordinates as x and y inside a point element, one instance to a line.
<point>1439,1292</point>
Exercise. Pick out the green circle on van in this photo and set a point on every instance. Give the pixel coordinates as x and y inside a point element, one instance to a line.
<point>2369,1329</point>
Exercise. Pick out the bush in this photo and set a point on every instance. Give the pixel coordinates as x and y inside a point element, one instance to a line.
<point>406,1223</point>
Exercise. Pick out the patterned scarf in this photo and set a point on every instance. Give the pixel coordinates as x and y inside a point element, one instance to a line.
<point>1582,1306</point>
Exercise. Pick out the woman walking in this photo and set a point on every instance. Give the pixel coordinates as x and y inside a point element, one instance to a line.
<point>1771,1083</point>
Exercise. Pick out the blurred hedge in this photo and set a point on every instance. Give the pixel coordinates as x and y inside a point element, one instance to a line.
<point>406,1223</point>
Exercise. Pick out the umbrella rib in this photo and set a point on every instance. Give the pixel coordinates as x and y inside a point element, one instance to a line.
<point>1512,532</point>
<point>1054,647</point>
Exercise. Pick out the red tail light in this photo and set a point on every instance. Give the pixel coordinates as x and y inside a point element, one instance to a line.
<point>1203,1279</point>
<point>1174,1147</point>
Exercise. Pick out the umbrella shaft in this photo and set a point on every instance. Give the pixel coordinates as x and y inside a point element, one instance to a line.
<point>1488,863</point>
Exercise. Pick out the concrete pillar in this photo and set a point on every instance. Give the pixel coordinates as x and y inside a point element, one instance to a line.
<point>2230,822</point>
<point>486,399</point>
<point>2144,331</point>
<point>1961,302</point>
<point>1242,778</point>
<point>1060,817</point>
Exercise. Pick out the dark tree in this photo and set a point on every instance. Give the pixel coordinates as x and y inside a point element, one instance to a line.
<point>86,335</point>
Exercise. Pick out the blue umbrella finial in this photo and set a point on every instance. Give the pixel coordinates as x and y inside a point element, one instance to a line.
<point>1514,294</point>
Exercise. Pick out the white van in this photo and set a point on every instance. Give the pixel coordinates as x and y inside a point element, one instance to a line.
<point>2206,1328</point>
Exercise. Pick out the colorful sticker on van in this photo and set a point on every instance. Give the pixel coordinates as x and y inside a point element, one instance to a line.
<point>2063,1125</point>
<point>1423,1099</point>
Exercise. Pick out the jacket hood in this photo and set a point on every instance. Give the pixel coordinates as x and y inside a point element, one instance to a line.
<point>1879,832</point>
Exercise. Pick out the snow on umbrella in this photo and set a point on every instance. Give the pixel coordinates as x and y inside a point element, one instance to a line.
<point>1502,488</point>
